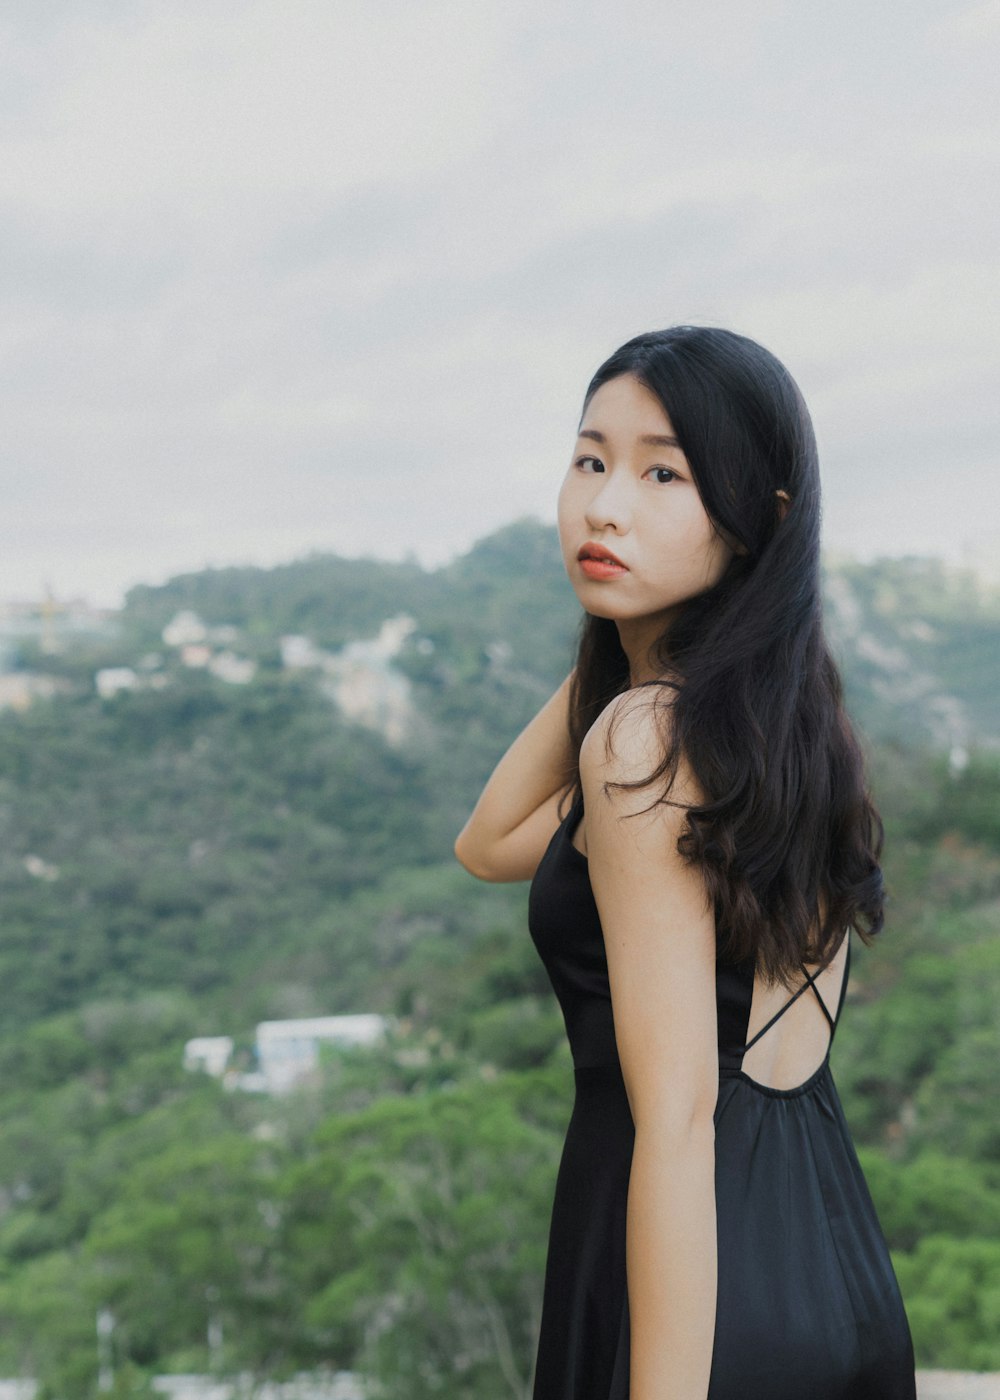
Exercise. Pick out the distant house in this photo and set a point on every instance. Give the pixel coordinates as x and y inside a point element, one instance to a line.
<point>371,694</point>
<point>195,654</point>
<point>184,629</point>
<point>300,653</point>
<point>112,679</point>
<point>18,1389</point>
<point>287,1051</point>
<point>210,1053</point>
<point>39,869</point>
<point>18,689</point>
<point>195,644</point>
<point>360,678</point>
<point>235,670</point>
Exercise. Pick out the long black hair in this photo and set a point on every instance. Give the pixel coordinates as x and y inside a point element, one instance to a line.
<point>788,838</point>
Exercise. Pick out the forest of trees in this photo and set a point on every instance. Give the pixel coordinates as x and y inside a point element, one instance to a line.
<point>191,859</point>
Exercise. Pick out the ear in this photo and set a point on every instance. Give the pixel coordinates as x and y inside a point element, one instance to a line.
<point>784,502</point>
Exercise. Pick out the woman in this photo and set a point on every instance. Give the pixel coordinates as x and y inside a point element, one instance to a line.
<point>712,1233</point>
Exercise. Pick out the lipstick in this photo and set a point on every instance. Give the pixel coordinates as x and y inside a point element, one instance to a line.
<point>597,562</point>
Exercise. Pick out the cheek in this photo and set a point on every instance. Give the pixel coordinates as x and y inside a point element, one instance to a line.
<point>691,542</point>
<point>687,531</point>
<point>565,512</point>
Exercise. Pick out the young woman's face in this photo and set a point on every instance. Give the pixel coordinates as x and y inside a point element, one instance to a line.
<point>629,489</point>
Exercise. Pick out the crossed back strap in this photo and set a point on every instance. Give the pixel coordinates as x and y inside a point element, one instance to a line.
<point>810,981</point>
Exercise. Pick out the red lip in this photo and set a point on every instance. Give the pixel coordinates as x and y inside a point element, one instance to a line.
<point>597,551</point>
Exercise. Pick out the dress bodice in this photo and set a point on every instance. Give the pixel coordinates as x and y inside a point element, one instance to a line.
<point>566,928</point>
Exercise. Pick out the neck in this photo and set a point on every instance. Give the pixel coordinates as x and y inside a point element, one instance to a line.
<point>638,636</point>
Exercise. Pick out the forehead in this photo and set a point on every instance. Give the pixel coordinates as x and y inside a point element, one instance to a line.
<point>625,407</point>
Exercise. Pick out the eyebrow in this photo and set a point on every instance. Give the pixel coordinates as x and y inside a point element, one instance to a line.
<point>649,439</point>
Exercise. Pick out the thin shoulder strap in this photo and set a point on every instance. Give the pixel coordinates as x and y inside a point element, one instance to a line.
<point>809,982</point>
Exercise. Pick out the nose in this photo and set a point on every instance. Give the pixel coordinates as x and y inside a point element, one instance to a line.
<point>610,507</point>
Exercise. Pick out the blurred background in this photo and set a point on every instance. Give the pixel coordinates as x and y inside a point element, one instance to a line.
<point>299,305</point>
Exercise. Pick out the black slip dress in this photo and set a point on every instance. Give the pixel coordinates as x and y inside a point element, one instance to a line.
<point>808,1306</point>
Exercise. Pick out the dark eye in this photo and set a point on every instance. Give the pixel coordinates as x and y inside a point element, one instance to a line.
<point>598,464</point>
<point>668,475</point>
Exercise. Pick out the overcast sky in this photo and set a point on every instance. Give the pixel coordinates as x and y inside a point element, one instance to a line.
<point>305,275</point>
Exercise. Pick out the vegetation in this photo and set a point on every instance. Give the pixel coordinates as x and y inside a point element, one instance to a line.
<point>193,858</point>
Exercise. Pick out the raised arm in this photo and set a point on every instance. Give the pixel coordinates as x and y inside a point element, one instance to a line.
<point>513,821</point>
<point>659,932</point>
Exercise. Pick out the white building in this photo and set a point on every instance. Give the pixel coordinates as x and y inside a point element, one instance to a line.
<point>196,655</point>
<point>362,682</point>
<point>288,1051</point>
<point>18,1389</point>
<point>234,670</point>
<point>184,629</point>
<point>39,868</point>
<point>19,689</point>
<point>210,1053</point>
<point>111,679</point>
<point>300,653</point>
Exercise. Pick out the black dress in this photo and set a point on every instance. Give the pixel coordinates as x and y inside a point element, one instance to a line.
<point>808,1306</point>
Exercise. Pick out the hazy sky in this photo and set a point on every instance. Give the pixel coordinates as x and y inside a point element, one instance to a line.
<point>312,275</point>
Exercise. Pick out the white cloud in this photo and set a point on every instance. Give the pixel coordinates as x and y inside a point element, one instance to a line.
<point>968,24</point>
<point>207,119</point>
<point>278,277</point>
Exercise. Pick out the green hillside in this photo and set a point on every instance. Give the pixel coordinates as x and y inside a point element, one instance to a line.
<point>192,854</point>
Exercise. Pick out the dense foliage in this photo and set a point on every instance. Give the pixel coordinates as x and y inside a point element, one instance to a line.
<point>191,859</point>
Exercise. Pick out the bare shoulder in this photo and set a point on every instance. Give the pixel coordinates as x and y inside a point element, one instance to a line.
<point>626,744</point>
<point>656,916</point>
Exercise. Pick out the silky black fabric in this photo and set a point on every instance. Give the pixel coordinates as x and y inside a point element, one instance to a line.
<point>808,1305</point>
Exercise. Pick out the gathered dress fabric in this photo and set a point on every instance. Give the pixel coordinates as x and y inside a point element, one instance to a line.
<point>808,1305</point>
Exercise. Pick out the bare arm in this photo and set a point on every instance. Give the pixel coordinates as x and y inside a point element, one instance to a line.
<point>659,932</point>
<point>513,821</point>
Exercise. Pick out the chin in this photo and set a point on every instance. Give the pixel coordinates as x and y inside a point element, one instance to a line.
<point>595,609</point>
<point>586,600</point>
